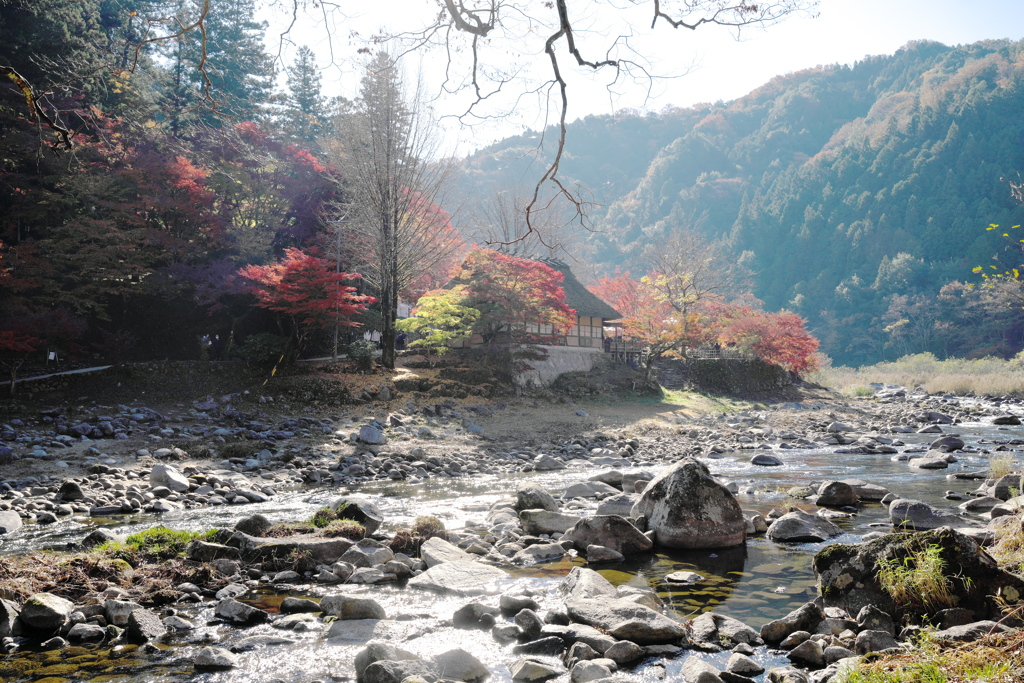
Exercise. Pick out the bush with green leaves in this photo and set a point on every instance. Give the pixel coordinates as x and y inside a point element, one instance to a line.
<point>263,348</point>
<point>361,353</point>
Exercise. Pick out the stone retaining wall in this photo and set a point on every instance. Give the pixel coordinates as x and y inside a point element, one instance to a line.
<point>560,359</point>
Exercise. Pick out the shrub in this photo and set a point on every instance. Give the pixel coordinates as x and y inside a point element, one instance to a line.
<point>345,528</point>
<point>428,527</point>
<point>362,353</point>
<point>262,349</point>
<point>404,542</point>
<point>1001,465</point>
<point>918,581</point>
<point>323,517</point>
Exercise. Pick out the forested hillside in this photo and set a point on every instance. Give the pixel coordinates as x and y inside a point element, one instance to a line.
<point>859,196</point>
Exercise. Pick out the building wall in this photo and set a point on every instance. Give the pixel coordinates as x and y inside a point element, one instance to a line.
<point>560,359</point>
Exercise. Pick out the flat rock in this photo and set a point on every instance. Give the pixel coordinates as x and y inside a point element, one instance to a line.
<point>626,620</point>
<point>365,630</point>
<point>801,527</point>
<point>349,607</point>
<point>460,578</point>
<point>610,531</point>
<point>214,659</point>
<point>546,522</point>
<point>915,514</point>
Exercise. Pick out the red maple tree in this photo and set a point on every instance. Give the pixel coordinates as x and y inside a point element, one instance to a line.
<point>306,290</point>
<point>779,338</point>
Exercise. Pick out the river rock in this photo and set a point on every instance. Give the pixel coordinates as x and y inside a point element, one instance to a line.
<point>610,531</point>
<point>368,553</point>
<point>204,551</point>
<point>714,628</point>
<point>809,653</point>
<point>915,514</point>
<point>866,491</point>
<point>546,522</point>
<point>143,626</point>
<point>9,624</point>
<point>46,612</point>
<point>798,526</point>
<point>1007,486</point>
<point>436,550</point>
<point>254,525</point>
<point>459,665</point>
<point>348,607</point>
<point>620,504</point>
<point>460,578</point>
<point>696,670</point>
<point>766,460</point>
<point>743,665</point>
<point>626,620</point>
<point>1006,420</point>
<point>168,476</point>
<point>475,615</point>
<point>947,443</point>
<point>529,670</point>
<point>966,633</point>
<point>929,462</point>
<point>686,508</point>
<point>586,671</point>
<point>86,633</point>
<point>239,613</point>
<point>533,497</point>
<point>599,553</point>
<point>98,537</point>
<point>214,659</point>
<point>372,435</point>
<point>631,479</point>
<point>624,652</point>
<point>584,584</point>
<point>836,494</point>
<point>360,510</point>
<point>874,640</point>
<point>392,671</point>
<point>70,491</point>
<point>379,652</point>
<point>10,522</point>
<point>803,618</point>
<point>847,573</point>
<point>539,552</point>
<point>118,611</point>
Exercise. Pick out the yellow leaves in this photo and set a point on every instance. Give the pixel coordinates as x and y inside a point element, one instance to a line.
<point>977,269</point>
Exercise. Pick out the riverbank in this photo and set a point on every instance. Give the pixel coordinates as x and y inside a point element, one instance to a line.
<point>463,460</point>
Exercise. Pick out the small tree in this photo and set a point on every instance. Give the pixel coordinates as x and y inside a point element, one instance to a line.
<point>306,290</point>
<point>779,338</point>
<point>440,318</point>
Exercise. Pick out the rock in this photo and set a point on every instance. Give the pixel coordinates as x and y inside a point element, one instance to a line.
<point>804,618</point>
<point>610,531</point>
<point>143,626</point>
<point>9,522</point>
<point>371,435</point>
<point>178,624</point>
<point>533,497</point>
<point>711,627</point>
<point>1007,486</point>
<point>348,607</point>
<point>620,504</point>
<point>255,642</point>
<point>45,612</point>
<point>870,618</point>
<point>583,583</point>
<point>532,670</point>
<point>866,491</point>
<point>98,537</point>
<point>599,553</point>
<point>396,671</point>
<point>70,491</point>
<point>548,646</point>
<point>254,525</point>
<point>686,508</point>
<point>368,553</point>
<point>801,527</point>
<point>966,633</point>
<point>9,625</point>
<point>847,573</point>
<point>547,463</point>
<point>459,578</point>
<point>626,620</point>
<point>436,550</point>
<point>292,605</point>
<point>239,613</point>
<point>872,641</point>
<point>539,552</point>
<point>787,674</point>
<point>166,475</point>
<point>459,665</point>
<point>586,671</point>
<point>695,669</point>
<point>947,443</point>
<point>86,633</point>
<point>214,659</point>
<point>928,462</point>
<point>766,460</point>
<point>1006,420</point>
<point>836,494</point>
<point>203,551</point>
<point>809,653</point>
<point>475,615</point>
<point>377,652</point>
<point>743,665</point>
<point>835,653</point>
<point>624,652</point>
<point>117,612</point>
<point>359,510</point>
<point>919,516</point>
<point>538,521</point>
<point>513,604</point>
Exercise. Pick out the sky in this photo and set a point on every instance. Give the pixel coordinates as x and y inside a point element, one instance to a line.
<point>706,65</point>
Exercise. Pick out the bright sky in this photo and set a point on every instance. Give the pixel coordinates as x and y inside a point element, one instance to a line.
<point>719,66</point>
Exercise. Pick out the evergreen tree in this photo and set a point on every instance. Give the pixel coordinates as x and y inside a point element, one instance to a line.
<point>306,114</point>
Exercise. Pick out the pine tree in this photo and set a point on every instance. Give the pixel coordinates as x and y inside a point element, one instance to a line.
<point>306,113</point>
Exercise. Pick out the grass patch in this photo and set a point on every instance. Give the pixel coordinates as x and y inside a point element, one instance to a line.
<point>960,376</point>
<point>993,659</point>
<point>409,540</point>
<point>918,581</point>
<point>324,522</point>
<point>1002,464</point>
<point>152,545</point>
<point>1008,549</point>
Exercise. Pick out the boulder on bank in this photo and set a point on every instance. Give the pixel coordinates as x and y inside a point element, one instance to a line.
<point>359,510</point>
<point>610,531</point>
<point>10,522</point>
<point>686,508</point>
<point>46,612</point>
<point>169,477</point>
<point>848,574</point>
<point>533,497</point>
<point>905,513</point>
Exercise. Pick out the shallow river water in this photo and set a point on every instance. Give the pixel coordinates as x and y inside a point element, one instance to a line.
<point>755,583</point>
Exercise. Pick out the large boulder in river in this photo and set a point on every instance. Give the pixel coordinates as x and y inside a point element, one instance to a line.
<point>848,573</point>
<point>836,494</point>
<point>610,531</point>
<point>797,526</point>
<point>686,508</point>
<point>906,513</point>
<point>359,510</point>
<point>584,584</point>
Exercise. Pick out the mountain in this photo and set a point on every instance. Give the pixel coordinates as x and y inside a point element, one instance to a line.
<point>852,192</point>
